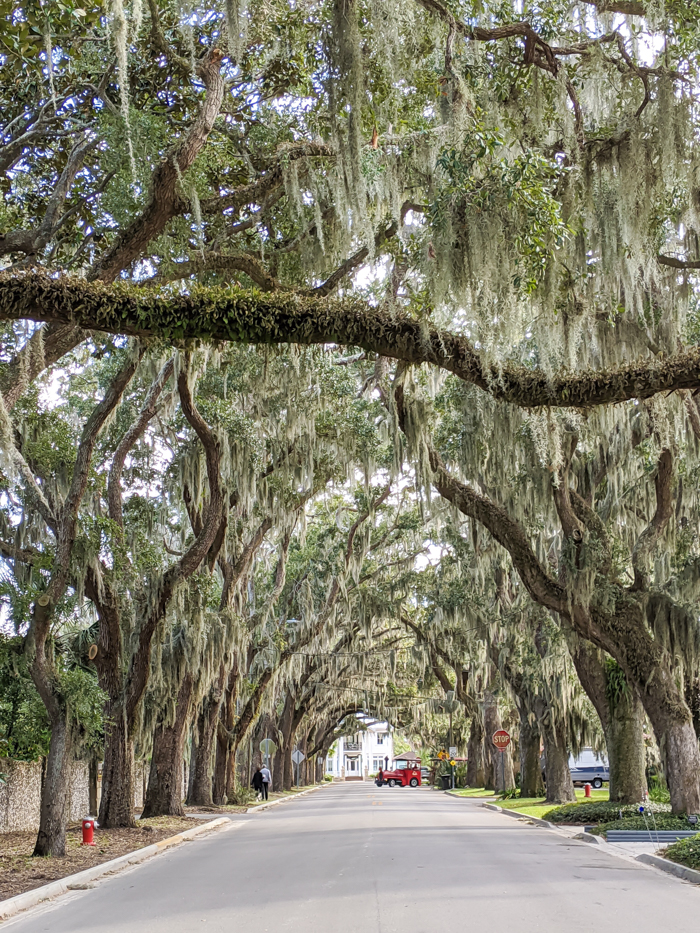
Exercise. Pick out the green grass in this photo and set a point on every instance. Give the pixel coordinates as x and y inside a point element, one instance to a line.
<point>530,806</point>
<point>685,852</point>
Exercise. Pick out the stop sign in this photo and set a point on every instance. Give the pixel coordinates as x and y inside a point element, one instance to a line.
<point>501,740</point>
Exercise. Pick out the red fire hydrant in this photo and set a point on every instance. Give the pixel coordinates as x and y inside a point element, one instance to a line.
<point>586,790</point>
<point>88,831</point>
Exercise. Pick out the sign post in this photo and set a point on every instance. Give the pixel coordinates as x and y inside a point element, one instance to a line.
<point>501,739</point>
<point>297,757</point>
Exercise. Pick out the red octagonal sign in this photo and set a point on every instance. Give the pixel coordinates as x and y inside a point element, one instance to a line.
<point>501,740</point>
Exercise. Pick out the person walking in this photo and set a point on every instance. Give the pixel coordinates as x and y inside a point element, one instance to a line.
<point>257,783</point>
<point>267,780</point>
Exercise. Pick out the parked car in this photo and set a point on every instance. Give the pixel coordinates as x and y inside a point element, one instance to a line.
<point>589,768</point>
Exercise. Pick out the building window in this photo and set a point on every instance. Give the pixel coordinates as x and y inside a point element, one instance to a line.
<point>380,738</point>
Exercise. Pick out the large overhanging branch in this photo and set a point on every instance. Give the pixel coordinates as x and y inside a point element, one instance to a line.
<point>242,316</point>
<point>626,7</point>
<point>494,518</point>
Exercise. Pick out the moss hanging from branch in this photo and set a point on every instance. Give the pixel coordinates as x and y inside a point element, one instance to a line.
<point>241,316</point>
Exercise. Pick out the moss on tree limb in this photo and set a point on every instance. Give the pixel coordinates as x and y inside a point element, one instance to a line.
<point>249,316</point>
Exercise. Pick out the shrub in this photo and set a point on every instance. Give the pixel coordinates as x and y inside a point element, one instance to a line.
<point>659,821</point>
<point>461,775</point>
<point>601,811</point>
<point>327,777</point>
<point>510,793</point>
<point>658,792</point>
<point>241,797</point>
<point>685,852</point>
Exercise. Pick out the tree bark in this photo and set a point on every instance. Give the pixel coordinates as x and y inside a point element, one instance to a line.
<point>51,839</point>
<point>560,787</point>
<point>679,747</point>
<point>165,782</point>
<point>222,752</point>
<point>117,802</point>
<point>225,722</point>
<point>624,736</point>
<point>282,775</point>
<point>531,783</point>
<point>93,780</point>
<point>622,721</point>
<point>201,790</point>
<point>475,754</point>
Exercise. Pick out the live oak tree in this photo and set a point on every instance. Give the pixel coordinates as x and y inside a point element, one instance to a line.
<point>518,186</point>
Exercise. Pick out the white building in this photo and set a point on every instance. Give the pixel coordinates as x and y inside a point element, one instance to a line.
<point>355,757</point>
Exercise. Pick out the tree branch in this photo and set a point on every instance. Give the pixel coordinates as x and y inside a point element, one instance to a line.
<point>504,529</point>
<point>164,201</point>
<point>46,346</point>
<point>192,558</point>
<point>663,484</point>
<point>250,317</point>
<point>135,432</point>
<point>676,263</point>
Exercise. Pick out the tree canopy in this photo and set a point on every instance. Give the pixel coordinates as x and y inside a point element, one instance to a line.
<point>350,360</point>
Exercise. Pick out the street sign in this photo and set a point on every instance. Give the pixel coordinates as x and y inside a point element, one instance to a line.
<point>268,747</point>
<point>453,751</point>
<point>298,756</point>
<point>501,740</point>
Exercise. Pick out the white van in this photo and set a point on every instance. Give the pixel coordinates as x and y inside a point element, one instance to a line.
<point>588,767</point>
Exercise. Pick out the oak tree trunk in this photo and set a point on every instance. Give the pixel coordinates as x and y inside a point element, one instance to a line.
<point>560,787</point>
<point>93,776</point>
<point>201,789</point>
<point>117,802</point>
<point>165,781</point>
<point>679,747</point>
<point>475,754</point>
<point>220,766</point>
<point>531,783</point>
<point>622,717</point>
<point>51,839</point>
<point>624,736</point>
<point>223,785</point>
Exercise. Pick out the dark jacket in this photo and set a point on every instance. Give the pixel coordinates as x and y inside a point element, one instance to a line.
<point>257,780</point>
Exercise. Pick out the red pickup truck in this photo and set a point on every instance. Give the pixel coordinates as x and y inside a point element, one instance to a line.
<point>405,772</point>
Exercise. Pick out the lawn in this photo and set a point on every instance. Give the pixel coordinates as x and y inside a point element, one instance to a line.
<point>528,806</point>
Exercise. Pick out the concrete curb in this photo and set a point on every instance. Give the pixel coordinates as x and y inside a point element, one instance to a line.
<point>274,803</point>
<point>80,880</point>
<point>588,837</point>
<point>651,861</point>
<point>672,868</point>
<point>515,814</point>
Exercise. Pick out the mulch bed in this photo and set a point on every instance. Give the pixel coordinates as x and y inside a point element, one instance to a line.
<point>19,872</point>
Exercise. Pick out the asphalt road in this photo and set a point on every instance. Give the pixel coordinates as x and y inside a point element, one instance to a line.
<point>354,858</point>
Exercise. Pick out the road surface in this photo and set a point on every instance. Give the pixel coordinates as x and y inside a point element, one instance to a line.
<point>354,858</point>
